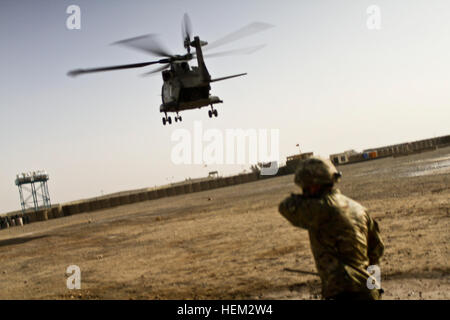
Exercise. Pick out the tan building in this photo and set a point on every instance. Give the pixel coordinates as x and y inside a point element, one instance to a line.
<point>292,161</point>
<point>339,158</point>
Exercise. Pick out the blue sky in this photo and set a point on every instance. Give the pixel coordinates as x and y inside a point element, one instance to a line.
<point>324,79</point>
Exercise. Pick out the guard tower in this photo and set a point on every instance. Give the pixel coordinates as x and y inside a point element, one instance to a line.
<point>33,190</point>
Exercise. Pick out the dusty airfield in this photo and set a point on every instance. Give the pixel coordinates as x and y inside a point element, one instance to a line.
<point>231,243</point>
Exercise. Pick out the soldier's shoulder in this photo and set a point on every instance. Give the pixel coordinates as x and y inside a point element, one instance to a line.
<point>348,202</point>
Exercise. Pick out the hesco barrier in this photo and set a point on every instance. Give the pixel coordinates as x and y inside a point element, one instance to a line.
<point>178,190</point>
<point>57,212</point>
<point>54,212</point>
<point>221,183</point>
<point>114,202</point>
<point>188,188</point>
<point>151,195</point>
<point>73,209</point>
<point>105,203</point>
<point>31,216</point>
<point>143,196</point>
<point>134,198</point>
<point>171,191</point>
<point>196,187</point>
<point>137,197</point>
<point>125,199</point>
<point>229,181</point>
<point>161,193</point>
<point>95,205</point>
<point>204,185</point>
<point>41,215</point>
<point>84,207</point>
<point>49,214</point>
<point>213,184</point>
<point>65,210</point>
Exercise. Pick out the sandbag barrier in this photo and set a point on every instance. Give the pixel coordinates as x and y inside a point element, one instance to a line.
<point>58,211</point>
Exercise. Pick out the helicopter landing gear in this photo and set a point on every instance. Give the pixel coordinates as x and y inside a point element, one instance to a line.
<point>167,119</point>
<point>213,112</point>
<point>178,118</point>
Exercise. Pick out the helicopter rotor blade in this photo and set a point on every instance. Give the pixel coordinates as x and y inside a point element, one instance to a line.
<point>247,50</point>
<point>77,72</point>
<point>147,43</point>
<point>246,31</point>
<point>163,67</point>
<point>186,27</point>
<point>186,32</point>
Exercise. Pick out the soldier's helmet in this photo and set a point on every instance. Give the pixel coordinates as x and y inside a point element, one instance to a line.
<point>316,171</point>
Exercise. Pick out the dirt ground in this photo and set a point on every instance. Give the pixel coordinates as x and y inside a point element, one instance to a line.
<point>232,243</point>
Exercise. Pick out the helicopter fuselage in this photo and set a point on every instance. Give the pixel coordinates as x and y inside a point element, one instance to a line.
<point>187,87</point>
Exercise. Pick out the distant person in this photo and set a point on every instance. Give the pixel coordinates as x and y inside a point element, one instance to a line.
<point>344,239</point>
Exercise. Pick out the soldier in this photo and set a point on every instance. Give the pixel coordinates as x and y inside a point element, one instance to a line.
<point>344,239</point>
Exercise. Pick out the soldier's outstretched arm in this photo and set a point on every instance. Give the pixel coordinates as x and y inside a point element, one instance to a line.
<point>375,243</point>
<point>294,209</point>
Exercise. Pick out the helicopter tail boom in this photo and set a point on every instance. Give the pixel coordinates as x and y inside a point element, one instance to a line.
<point>197,44</point>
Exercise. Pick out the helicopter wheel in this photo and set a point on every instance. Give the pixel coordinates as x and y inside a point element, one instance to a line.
<point>210,114</point>
<point>180,118</point>
<point>176,119</point>
<point>164,121</point>
<point>215,113</point>
<point>169,120</point>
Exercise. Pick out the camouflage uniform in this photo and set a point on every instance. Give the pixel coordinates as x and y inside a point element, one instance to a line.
<point>345,240</point>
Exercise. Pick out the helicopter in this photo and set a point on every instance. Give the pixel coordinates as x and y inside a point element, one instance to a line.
<point>184,87</point>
